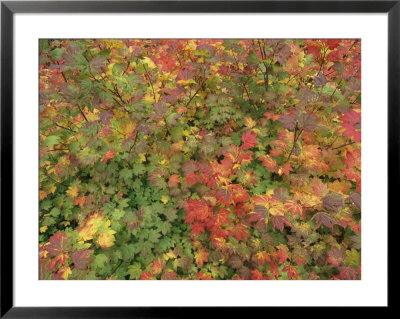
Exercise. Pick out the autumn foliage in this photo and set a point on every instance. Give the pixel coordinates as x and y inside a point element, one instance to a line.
<point>200,159</point>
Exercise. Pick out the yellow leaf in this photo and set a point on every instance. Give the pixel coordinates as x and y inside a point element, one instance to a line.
<point>43,229</point>
<point>86,233</point>
<point>92,116</point>
<point>142,158</point>
<point>149,62</point>
<point>249,122</point>
<point>65,223</point>
<point>169,255</point>
<point>164,199</point>
<point>53,189</point>
<point>128,128</point>
<point>72,191</point>
<point>66,271</point>
<point>106,239</point>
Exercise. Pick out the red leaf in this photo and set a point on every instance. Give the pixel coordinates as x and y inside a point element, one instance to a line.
<point>291,271</point>
<point>335,256</point>
<point>82,258</point>
<point>257,275</point>
<point>352,125</point>
<point>146,275</point>
<point>197,228</point>
<point>173,181</point>
<point>197,210</point>
<point>279,222</point>
<point>249,140</point>
<point>59,244</point>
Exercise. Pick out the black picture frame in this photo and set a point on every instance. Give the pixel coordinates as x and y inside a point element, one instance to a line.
<point>9,8</point>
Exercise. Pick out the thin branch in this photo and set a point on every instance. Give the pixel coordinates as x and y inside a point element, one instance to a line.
<point>195,93</point>
<point>65,128</point>
<point>296,136</point>
<point>151,83</point>
<point>83,114</point>
<point>350,143</point>
<point>58,149</point>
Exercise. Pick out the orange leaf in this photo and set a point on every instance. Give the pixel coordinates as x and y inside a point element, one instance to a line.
<point>109,155</point>
<point>201,256</point>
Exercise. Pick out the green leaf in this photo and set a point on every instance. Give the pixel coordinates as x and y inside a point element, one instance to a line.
<point>134,271</point>
<point>100,261</point>
<point>57,53</point>
<point>51,140</point>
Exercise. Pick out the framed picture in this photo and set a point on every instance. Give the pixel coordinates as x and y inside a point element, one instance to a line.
<point>159,155</point>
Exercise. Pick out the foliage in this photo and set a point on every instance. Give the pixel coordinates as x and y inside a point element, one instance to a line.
<point>200,159</point>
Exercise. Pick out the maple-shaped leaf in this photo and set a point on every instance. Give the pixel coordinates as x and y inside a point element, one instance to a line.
<point>352,125</point>
<point>106,239</point>
<point>105,117</point>
<point>318,187</point>
<point>322,218</point>
<point>245,273</point>
<point>249,122</point>
<point>279,222</point>
<point>72,191</point>
<point>80,201</point>
<point>257,275</point>
<point>197,228</point>
<point>348,273</point>
<point>353,258</point>
<point>232,194</point>
<point>190,167</point>
<point>285,169</point>
<point>203,276</point>
<point>157,177</point>
<point>97,63</point>
<point>173,181</point>
<point>169,275</point>
<point>281,254</point>
<point>201,256</point>
<point>59,244</point>
<point>82,258</point>
<point>197,210</point>
<point>158,266</point>
<point>294,207</point>
<point>291,271</point>
<point>146,275</point>
<point>269,163</point>
<point>239,231</point>
<point>261,257</point>
<point>300,255</point>
<point>235,262</point>
<point>313,47</point>
<point>333,201</point>
<point>331,43</point>
<point>288,121</point>
<point>274,206</point>
<point>335,256</point>
<point>320,79</point>
<point>355,199</point>
<point>62,274</point>
<point>307,121</point>
<point>109,155</point>
<point>281,194</point>
<point>249,140</point>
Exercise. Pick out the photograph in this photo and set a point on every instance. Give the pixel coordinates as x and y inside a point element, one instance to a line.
<point>199,159</point>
